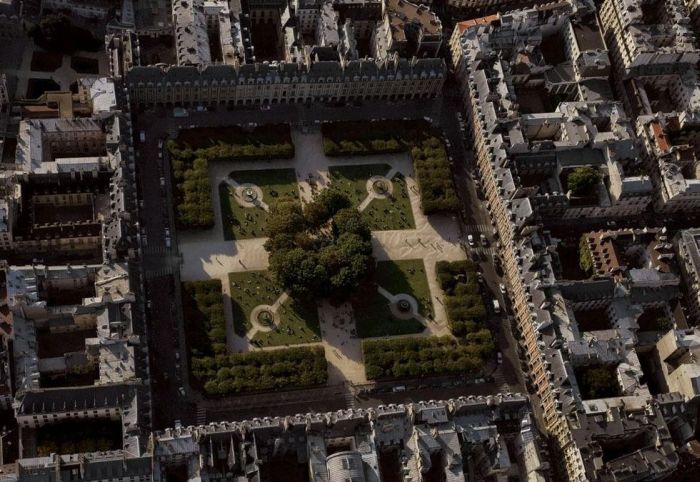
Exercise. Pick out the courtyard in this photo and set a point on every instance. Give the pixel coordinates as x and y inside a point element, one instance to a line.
<point>401,297</point>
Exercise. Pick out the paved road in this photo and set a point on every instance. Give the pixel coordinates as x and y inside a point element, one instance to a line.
<point>160,269</point>
<point>508,376</point>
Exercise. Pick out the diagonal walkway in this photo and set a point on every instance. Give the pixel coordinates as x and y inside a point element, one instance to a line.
<point>208,255</point>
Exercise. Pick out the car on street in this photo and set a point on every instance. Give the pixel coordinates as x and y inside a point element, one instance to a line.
<point>484,241</point>
<point>499,357</point>
<point>162,182</point>
<point>181,391</point>
<point>502,287</point>
<point>496,306</point>
<point>470,240</point>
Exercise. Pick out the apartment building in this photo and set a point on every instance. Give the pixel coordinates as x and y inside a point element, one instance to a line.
<point>423,441</point>
<point>416,442</point>
<point>670,154</point>
<point>580,329</point>
<point>97,9</point>
<point>688,242</point>
<point>524,146</point>
<point>645,37</point>
<point>679,353</point>
<point>67,193</point>
<point>407,28</point>
<point>653,50</point>
<point>282,82</point>
<point>527,145</point>
<point>318,57</point>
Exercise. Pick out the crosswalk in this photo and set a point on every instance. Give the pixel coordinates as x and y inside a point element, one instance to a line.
<point>479,228</point>
<point>201,416</point>
<point>349,398</point>
<point>156,251</point>
<point>500,380</point>
<point>150,273</point>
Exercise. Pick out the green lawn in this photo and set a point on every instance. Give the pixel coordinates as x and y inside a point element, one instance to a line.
<point>391,213</point>
<point>246,223</point>
<point>382,214</point>
<point>298,323</point>
<point>372,313</point>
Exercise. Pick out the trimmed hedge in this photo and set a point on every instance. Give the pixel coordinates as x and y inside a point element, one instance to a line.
<point>464,305</point>
<point>417,137</point>
<point>414,357</point>
<point>219,373</point>
<point>361,138</point>
<point>205,325</point>
<point>193,195</point>
<point>434,177</point>
<point>261,370</point>
<point>190,165</point>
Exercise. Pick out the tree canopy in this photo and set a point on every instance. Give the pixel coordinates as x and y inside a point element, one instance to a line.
<point>582,180</point>
<point>324,250</point>
<point>56,33</point>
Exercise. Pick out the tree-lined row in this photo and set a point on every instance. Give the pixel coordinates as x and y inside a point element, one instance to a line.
<point>205,325</point>
<point>380,137</point>
<point>191,165</point>
<point>464,305</point>
<point>361,138</point>
<point>413,357</point>
<point>261,370</point>
<point>434,177</point>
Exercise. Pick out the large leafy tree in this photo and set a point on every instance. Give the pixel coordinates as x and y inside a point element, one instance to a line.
<point>312,260</point>
<point>582,180</point>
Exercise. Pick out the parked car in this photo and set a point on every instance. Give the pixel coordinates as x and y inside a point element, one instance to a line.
<point>496,306</point>
<point>470,240</point>
<point>499,357</point>
<point>502,287</point>
<point>484,241</point>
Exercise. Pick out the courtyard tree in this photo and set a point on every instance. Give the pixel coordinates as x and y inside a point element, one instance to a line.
<point>582,180</point>
<point>599,382</point>
<point>585,260</point>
